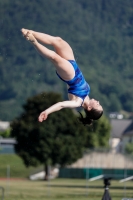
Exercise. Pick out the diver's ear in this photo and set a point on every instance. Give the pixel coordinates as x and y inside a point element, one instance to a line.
<point>89,108</point>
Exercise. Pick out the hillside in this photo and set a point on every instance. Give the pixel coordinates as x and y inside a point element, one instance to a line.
<point>100,33</point>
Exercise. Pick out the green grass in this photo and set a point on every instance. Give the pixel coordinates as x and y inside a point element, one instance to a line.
<point>66,189</point>
<point>17,167</point>
<point>58,189</point>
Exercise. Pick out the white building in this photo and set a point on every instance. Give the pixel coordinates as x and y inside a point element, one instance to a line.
<point>4,125</point>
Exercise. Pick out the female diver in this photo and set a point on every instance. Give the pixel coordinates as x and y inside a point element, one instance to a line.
<point>68,71</point>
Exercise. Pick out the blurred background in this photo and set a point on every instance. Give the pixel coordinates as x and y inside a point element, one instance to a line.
<point>100,33</point>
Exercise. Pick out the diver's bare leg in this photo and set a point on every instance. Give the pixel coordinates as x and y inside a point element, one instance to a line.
<point>61,46</point>
<point>63,67</point>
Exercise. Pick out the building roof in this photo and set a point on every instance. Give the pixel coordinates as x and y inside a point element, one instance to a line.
<point>120,127</point>
<point>129,130</point>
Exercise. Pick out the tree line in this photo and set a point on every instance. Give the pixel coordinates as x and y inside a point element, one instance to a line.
<point>100,33</point>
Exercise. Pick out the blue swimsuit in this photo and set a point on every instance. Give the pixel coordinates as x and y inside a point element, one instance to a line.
<point>77,86</point>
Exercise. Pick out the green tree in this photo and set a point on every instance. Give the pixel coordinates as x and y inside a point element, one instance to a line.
<point>129,148</point>
<point>6,133</point>
<point>60,139</point>
<point>99,134</point>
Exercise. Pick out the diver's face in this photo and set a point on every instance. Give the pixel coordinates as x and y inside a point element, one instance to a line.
<point>95,105</point>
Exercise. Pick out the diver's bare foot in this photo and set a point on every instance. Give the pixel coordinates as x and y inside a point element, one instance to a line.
<point>30,37</point>
<point>25,31</point>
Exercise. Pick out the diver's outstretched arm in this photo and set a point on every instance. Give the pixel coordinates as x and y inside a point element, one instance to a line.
<point>58,106</point>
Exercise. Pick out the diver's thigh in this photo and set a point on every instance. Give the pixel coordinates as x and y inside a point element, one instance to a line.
<point>63,49</point>
<point>63,67</point>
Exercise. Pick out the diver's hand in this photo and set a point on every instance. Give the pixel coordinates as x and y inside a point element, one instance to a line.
<point>43,116</point>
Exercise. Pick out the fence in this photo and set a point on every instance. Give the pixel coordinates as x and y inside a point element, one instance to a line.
<point>95,163</point>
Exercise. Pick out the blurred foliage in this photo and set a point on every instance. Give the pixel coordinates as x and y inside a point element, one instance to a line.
<point>100,33</point>
<point>61,139</point>
<point>129,148</point>
<point>6,133</point>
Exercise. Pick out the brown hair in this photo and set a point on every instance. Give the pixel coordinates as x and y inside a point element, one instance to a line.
<point>91,115</point>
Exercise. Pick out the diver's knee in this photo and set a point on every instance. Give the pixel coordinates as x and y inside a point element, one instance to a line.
<point>58,40</point>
